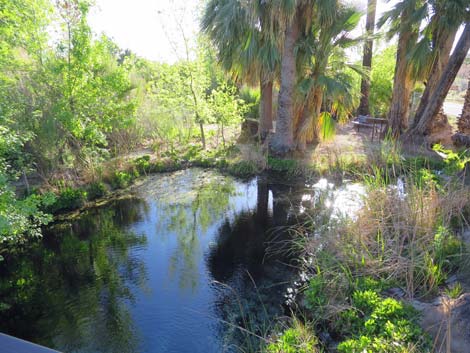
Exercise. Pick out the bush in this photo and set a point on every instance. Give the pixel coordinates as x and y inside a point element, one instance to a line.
<point>193,152</point>
<point>297,339</point>
<point>243,169</point>
<point>21,220</point>
<point>69,199</point>
<point>121,180</point>
<point>96,190</point>
<point>142,164</point>
<point>252,99</point>
<point>289,166</point>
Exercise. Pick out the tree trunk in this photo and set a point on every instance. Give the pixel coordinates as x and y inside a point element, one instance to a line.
<point>283,139</point>
<point>303,122</point>
<point>313,134</point>
<point>464,119</point>
<point>402,82</point>
<point>223,135</point>
<point>307,127</point>
<point>445,82</point>
<point>444,46</point>
<point>203,136</point>
<point>367,58</point>
<point>266,109</point>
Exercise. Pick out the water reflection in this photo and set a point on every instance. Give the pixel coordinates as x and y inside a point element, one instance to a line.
<point>173,269</point>
<point>71,291</point>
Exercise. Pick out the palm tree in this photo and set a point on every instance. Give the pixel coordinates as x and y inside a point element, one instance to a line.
<point>445,82</point>
<point>436,44</point>
<point>367,57</point>
<point>290,15</point>
<point>404,21</point>
<point>321,55</point>
<point>242,35</point>
<point>298,18</point>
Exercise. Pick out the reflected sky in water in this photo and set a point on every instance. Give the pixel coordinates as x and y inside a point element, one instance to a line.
<point>162,271</point>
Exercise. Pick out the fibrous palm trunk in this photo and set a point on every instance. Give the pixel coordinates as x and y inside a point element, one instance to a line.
<point>367,58</point>
<point>444,84</point>
<point>445,41</point>
<point>402,82</point>
<point>266,108</point>
<point>307,126</point>
<point>283,139</point>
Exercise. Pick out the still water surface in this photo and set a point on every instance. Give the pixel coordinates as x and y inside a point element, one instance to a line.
<point>169,269</point>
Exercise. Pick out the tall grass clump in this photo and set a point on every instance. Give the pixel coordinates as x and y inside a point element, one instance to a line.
<point>298,338</point>
<point>405,233</point>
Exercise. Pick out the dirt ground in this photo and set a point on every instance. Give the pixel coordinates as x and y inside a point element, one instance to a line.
<point>351,144</point>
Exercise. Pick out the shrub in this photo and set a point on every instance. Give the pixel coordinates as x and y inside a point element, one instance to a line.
<point>21,219</point>
<point>290,166</point>
<point>243,168</point>
<point>297,339</point>
<point>121,180</point>
<point>96,190</point>
<point>193,152</point>
<point>142,164</point>
<point>453,161</point>
<point>69,199</point>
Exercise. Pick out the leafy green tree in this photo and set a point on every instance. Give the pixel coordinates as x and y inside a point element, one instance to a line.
<point>226,108</point>
<point>381,81</point>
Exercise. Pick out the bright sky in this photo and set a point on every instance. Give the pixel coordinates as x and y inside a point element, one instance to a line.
<point>150,27</point>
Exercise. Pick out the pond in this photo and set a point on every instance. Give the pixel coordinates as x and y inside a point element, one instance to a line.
<point>178,266</point>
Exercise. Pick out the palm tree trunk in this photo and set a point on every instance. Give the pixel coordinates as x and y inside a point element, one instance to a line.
<point>464,119</point>
<point>313,133</point>
<point>307,128</point>
<point>402,82</point>
<point>444,47</point>
<point>283,139</point>
<point>305,115</point>
<point>266,108</point>
<point>445,82</point>
<point>367,58</point>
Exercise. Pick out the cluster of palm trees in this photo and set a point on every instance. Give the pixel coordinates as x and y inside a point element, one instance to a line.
<point>426,32</point>
<point>300,45</point>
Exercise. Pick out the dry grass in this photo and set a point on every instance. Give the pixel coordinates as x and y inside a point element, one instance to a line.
<point>397,237</point>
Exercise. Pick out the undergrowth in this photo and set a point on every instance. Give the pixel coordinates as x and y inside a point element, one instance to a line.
<point>404,239</point>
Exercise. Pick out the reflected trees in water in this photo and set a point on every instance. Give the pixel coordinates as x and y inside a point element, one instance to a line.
<point>77,281</point>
